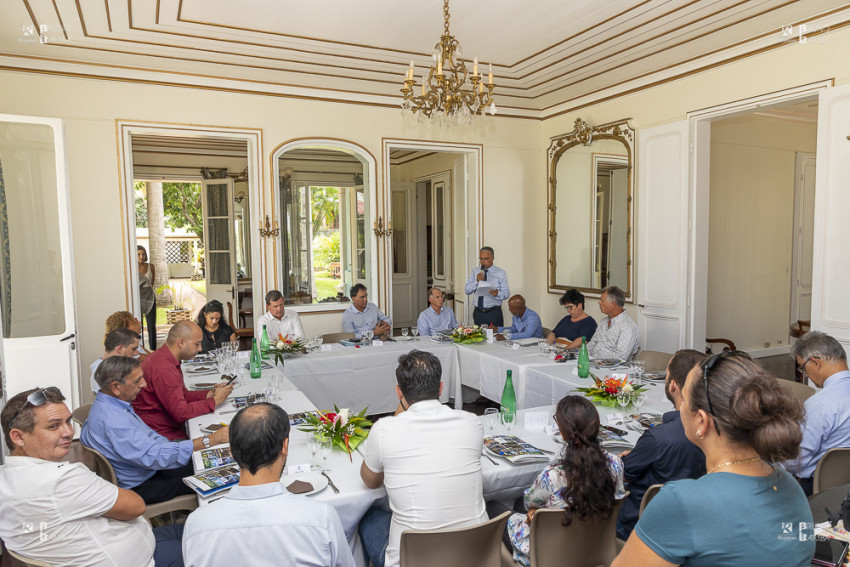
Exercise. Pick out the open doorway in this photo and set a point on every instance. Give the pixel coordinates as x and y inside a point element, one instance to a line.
<point>760,225</point>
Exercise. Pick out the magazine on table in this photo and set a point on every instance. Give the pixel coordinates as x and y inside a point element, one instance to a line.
<point>214,480</point>
<point>213,457</point>
<point>249,400</point>
<point>514,449</point>
<point>300,418</point>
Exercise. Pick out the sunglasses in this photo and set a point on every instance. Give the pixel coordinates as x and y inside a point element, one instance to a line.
<point>36,399</point>
<point>710,363</point>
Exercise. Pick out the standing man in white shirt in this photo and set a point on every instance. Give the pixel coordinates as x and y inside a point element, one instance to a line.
<point>488,305</point>
<point>363,316</point>
<point>277,320</point>
<point>616,335</point>
<point>437,317</point>
<point>428,457</point>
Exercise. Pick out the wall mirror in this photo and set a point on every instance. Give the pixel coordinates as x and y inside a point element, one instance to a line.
<point>590,207</point>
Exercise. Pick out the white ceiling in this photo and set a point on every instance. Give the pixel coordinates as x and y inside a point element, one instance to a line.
<point>546,54</point>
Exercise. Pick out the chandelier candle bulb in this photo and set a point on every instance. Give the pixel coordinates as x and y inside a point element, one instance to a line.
<point>475,67</point>
<point>490,76</point>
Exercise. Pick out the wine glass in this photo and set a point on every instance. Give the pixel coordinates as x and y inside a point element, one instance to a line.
<point>314,444</point>
<point>624,399</point>
<point>508,418</point>
<point>490,416</point>
<point>369,334</point>
<point>507,334</point>
<point>404,332</point>
<point>319,340</point>
<point>640,367</point>
<point>415,331</point>
<point>638,400</point>
<point>325,445</point>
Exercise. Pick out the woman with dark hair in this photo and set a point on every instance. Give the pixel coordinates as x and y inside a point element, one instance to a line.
<point>215,330</point>
<point>147,297</point>
<point>746,510</point>
<point>584,482</point>
<point>577,324</point>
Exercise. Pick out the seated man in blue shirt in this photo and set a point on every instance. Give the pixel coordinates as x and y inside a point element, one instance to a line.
<point>663,452</point>
<point>259,522</point>
<point>827,424</point>
<point>144,461</point>
<point>363,316</point>
<point>436,317</point>
<point>525,322</point>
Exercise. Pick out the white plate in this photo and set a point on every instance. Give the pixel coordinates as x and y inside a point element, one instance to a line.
<point>202,369</point>
<point>318,480</point>
<point>403,338</point>
<point>196,385</point>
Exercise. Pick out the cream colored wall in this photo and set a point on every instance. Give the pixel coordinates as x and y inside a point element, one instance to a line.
<point>787,67</point>
<point>751,233</point>
<point>512,160</point>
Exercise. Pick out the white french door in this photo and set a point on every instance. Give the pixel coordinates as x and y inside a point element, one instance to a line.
<point>219,259</point>
<point>37,302</point>
<point>441,230</point>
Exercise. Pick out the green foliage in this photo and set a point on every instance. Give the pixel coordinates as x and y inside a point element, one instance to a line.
<point>324,202</point>
<point>326,249</point>
<point>181,204</point>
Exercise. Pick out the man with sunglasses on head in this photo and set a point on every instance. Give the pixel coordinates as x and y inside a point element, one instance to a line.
<point>827,423</point>
<point>61,512</point>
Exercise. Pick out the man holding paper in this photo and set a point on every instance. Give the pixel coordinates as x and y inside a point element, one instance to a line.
<point>489,283</point>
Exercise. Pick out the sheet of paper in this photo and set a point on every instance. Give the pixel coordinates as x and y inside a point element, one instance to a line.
<point>536,420</point>
<point>326,348</point>
<point>484,288</point>
<point>614,418</point>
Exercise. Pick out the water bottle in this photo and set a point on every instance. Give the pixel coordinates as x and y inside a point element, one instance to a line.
<point>508,409</point>
<point>264,343</point>
<point>256,364</point>
<point>583,360</point>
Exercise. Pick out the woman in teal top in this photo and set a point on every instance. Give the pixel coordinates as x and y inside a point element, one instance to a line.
<point>746,510</point>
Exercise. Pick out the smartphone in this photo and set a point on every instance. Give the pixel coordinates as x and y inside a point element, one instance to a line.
<point>212,428</point>
<point>830,553</point>
<point>615,430</point>
<point>232,378</point>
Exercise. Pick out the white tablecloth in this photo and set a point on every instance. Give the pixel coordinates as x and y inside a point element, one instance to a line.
<point>484,367</point>
<point>359,377</point>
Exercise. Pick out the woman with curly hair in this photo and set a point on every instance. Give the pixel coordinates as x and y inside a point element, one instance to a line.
<point>585,481</point>
<point>125,320</point>
<point>215,330</point>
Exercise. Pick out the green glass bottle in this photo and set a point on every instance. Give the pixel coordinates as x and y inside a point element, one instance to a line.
<point>508,405</point>
<point>264,344</point>
<point>256,364</point>
<point>583,360</point>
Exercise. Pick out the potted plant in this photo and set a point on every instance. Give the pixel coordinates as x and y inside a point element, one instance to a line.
<point>178,311</point>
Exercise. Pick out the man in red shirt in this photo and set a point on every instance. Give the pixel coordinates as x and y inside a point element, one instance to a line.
<point>165,404</point>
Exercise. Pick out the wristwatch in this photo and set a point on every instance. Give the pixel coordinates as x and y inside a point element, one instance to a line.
<point>206,441</point>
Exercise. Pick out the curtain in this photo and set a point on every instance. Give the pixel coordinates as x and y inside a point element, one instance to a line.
<point>6,264</point>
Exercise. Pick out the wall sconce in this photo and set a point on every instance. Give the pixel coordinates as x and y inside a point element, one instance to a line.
<point>268,231</point>
<point>240,197</point>
<point>379,228</point>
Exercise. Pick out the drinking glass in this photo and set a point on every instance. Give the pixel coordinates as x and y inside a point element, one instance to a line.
<point>490,416</point>
<point>638,400</point>
<point>319,340</point>
<point>640,367</point>
<point>369,334</point>
<point>404,332</point>
<point>507,334</point>
<point>507,419</point>
<point>624,399</point>
<point>326,445</point>
<point>314,444</point>
<point>415,331</point>
<point>544,347</point>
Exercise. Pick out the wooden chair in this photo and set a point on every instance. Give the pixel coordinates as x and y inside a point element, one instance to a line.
<point>479,545</point>
<point>799,328</point>
<point>647,496</point>
<point>729,344</point>
<point>336,337</point>
<point>27,561</point>
<point>655,360</point>
<point>245,335</point>
<point>801,391</point>
<point>833,469</point>
<point>81,414</point>
<point>584,543</point>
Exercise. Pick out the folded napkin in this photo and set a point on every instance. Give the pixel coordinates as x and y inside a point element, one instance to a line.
<point>299,487</point>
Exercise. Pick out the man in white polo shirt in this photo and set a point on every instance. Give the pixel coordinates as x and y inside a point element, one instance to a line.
<point>428,456</point>
<point>62,513</point>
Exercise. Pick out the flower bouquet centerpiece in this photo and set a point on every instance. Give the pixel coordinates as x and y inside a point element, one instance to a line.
<point>473,334</point>
<point>345,429</point>
<point>284,346</point>
<point>605,391</point>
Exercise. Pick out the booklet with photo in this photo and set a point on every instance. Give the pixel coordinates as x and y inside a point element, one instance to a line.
<point>249,400</point>
<point>301,417</point>
<point>213,457</point>
<point>514,449</point>
<point>214,480</point>
<point>608,434</point>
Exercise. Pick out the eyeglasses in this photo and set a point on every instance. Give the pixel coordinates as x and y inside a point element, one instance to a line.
<point>710,363</point>
<point>36,399</point>
<point>802,368</point>
<point>569,307</point>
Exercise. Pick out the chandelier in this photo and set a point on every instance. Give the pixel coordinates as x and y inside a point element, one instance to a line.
<point>449,92</point>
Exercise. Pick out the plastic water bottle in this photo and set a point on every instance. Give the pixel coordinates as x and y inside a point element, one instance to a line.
<point>583,360</point>
<point>256,364</point>
<point>508,409</point>
<point>264,343</point>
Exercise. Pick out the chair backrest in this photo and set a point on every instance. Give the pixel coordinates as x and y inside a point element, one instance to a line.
<point>647,496</point>
<point>102,466</point>
<point>584,543</point>
<point>81,414</point>
<point>546,331</point>
<point>801,391</point>
<point>27,561</point>
<point>336,337</point>
<point>655,360</point>
<point>833,469</point>
<point>479,545</point>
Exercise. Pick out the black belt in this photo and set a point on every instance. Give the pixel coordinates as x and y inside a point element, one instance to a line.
<point>479,309</point>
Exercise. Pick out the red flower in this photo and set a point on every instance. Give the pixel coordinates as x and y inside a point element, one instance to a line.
<point>329,417</point>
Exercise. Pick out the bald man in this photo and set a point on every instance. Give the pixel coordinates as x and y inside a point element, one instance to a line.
<point>525,323</point>
<point>165,404</point>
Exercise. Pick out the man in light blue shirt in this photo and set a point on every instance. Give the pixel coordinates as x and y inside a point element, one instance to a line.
<point>143,460</point>
<point>827,423</point>
<point>492,283</point>
<point>436,317</point>
<point>363,316</point>
<point>526,323</point>
<point>259,522</point>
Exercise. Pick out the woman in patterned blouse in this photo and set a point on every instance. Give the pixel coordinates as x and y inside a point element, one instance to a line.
<point>584,482</point>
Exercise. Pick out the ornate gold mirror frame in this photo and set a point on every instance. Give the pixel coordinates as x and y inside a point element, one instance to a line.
<point>585,135</point>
